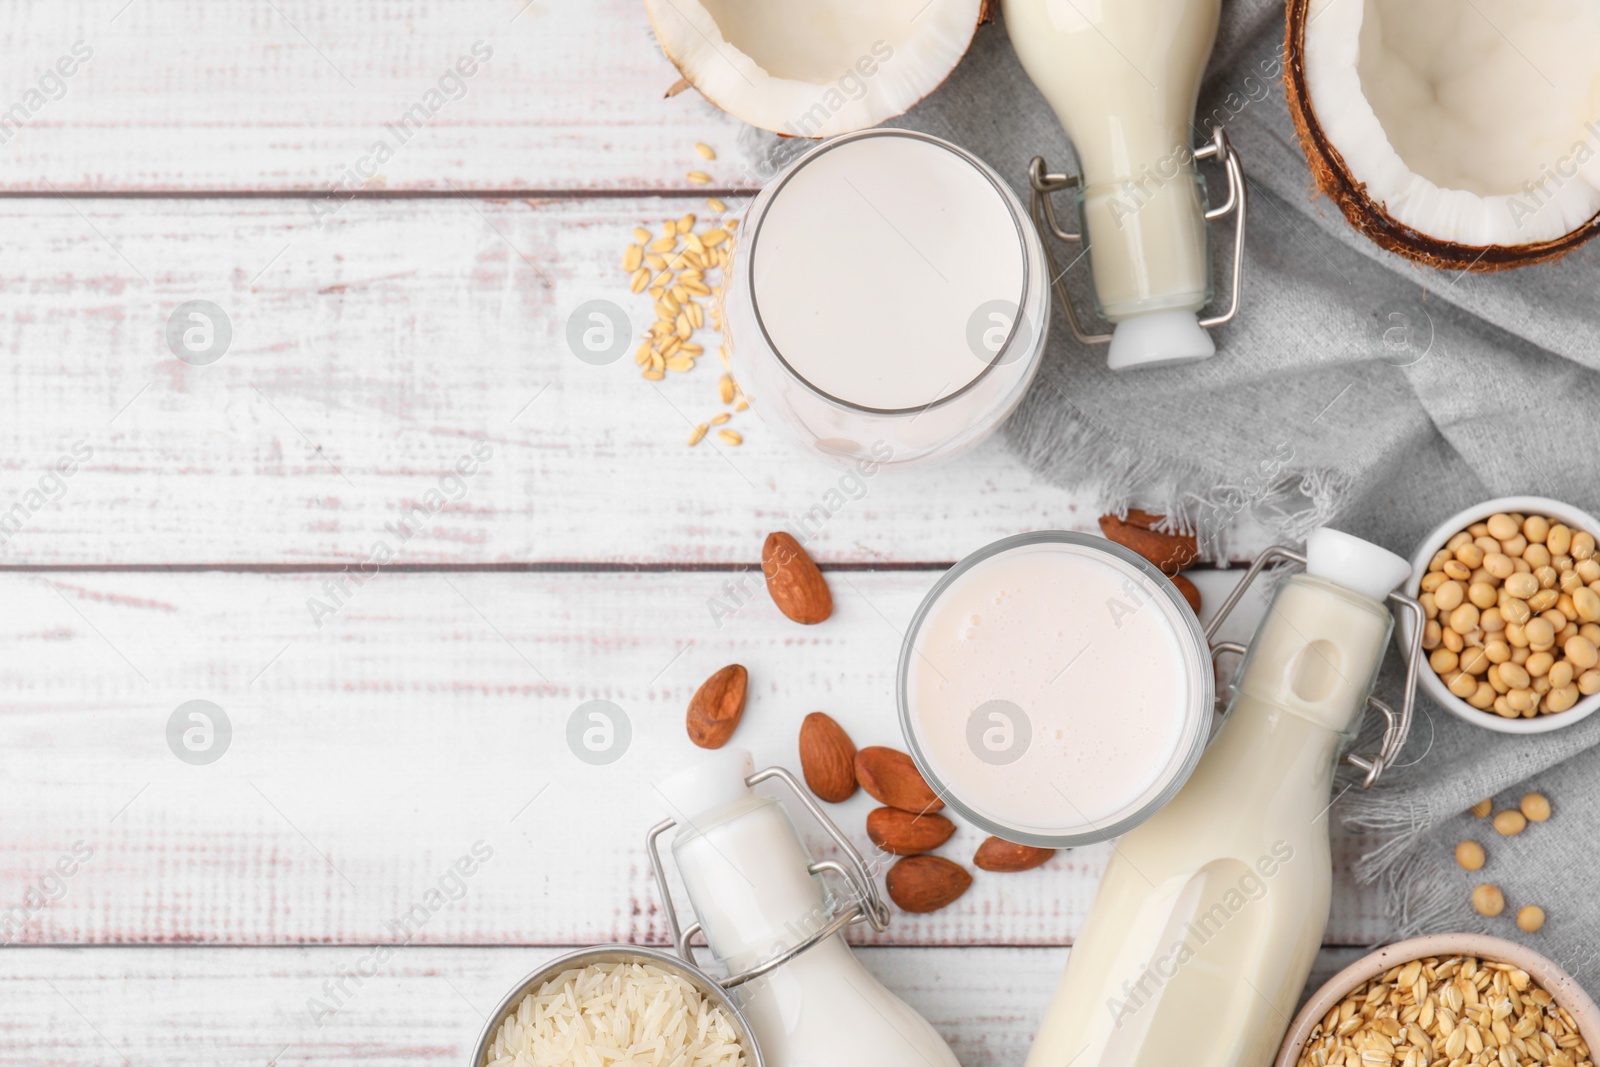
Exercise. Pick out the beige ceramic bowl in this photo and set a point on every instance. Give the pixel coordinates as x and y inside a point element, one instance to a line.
<point>1557,982</point>
<point>1431,682</point>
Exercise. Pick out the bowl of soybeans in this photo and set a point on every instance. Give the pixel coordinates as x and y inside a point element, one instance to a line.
<point>1511,589</point>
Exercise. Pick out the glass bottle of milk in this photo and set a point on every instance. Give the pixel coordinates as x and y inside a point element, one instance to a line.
<point>1123,78</point>
<point>1210,915</point>
<point>761,904</point>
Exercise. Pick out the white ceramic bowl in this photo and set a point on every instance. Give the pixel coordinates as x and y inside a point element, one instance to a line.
<point>1431,682</point>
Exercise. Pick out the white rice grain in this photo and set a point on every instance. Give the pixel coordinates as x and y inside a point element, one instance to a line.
<point>616,1015</point>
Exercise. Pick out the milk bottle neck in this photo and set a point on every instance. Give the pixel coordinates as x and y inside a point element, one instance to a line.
<point>746,872</point>
<point>1125,94</point>
<point>1314,657</point>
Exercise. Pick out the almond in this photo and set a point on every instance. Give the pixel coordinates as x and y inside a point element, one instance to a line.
<point>926,883</point>
<point>1145,520</point>
<point>827,758</point>
<point>904,834</point>
<point>1006,856</point>
<point>793,580</point>
<point>1170,552</point>
<point>1190,592</point>
<point>891,778</point>
<point>716,707</point>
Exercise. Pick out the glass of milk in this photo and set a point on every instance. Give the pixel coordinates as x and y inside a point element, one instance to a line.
<point>888,299</point>
<point>1055,689</point>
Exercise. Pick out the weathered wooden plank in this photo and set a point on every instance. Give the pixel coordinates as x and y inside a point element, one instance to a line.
<point>296,95</point>
<point>426,714</point>
<point>424,1006</point>
<point>368,357</point>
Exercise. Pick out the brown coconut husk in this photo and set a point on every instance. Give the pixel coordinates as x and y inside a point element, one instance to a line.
<point>1333,177</point>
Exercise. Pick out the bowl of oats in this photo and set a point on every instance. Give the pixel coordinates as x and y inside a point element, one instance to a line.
<point>1462,1000</point>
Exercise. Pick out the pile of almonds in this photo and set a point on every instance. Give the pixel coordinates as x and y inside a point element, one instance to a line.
<point>1487,899</point>
<point>909,824</point>
<point>1513,607</point>
<point>1456,1011</point>
<point>678,280</point>
<point>1170,552</point>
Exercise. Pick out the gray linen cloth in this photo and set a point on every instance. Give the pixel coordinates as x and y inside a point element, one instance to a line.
<point>1308,414</point>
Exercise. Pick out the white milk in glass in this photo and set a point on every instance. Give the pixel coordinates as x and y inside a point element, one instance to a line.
<point>887,297</point>
<point>1056,690</point>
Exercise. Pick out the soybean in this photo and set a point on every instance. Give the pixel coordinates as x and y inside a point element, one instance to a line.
<point>1501,526</point>
<point>1541,635</point>
<point>1581,652</point>
<point>1487,900</point>
<point>1522,586</point>
<point>1510,823</point>
<point>1464,619</point>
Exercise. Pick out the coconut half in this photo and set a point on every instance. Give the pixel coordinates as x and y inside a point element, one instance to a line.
<point>815,68</point>
<point>1462,133</point>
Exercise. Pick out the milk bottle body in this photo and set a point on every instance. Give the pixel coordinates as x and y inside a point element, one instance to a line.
<point>1210,915</point>
<point>745,869</point>
<point>1123,77</point>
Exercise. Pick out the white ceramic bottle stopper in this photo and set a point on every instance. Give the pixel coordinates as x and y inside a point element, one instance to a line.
<point>1354,563</point>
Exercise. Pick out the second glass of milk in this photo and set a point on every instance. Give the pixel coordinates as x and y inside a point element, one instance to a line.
<point>888,299</point>
<point>1055,689</point>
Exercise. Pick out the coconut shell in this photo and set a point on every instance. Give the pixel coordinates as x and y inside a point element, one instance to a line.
<point>1333,177</point>
<point>988,11</point>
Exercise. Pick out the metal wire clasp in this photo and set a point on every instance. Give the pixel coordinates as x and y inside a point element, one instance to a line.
<point>1396,725</point>
<point>1043,183</point>
<point>866,906</point>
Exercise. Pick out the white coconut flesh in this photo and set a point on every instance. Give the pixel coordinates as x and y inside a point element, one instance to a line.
<point>1472,121</point>
<point>815,68</point>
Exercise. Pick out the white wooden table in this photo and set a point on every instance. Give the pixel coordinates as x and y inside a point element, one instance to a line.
<point>229,912</point>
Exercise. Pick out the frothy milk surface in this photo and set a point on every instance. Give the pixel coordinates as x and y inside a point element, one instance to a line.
<point>871,262</point>
<point>1087,654</point>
